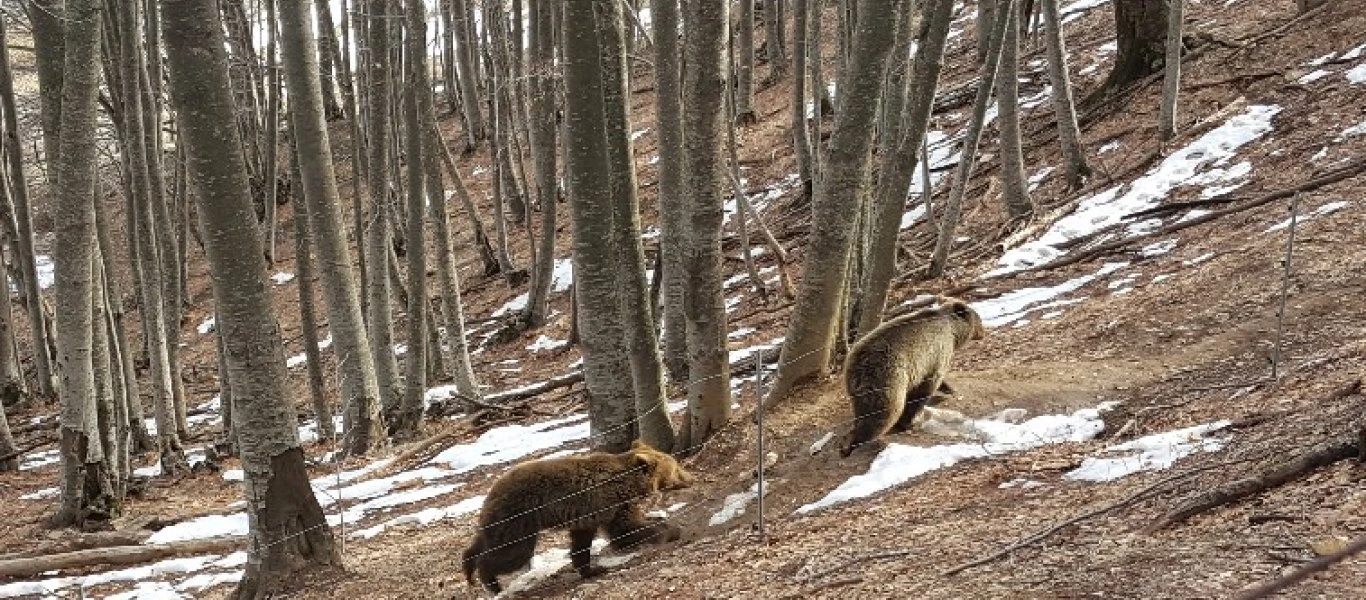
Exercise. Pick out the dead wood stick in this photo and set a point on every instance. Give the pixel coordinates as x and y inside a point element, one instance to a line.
<point>1033,538</point>
<point>85,541</point>
<point>1319,456</point>
<point>862,559</point>
<point>1243,46</point>
<point>1330,177</point>
<point>119,555</point>
<point>1356,167</point>
<point>1314,566</point>
<point>24,450</point>
<point>1234,79</point>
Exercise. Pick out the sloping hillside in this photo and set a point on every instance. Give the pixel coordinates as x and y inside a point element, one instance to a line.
<point>1141,369</point>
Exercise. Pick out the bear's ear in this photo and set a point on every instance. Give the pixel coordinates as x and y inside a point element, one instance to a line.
<point>960,310</point>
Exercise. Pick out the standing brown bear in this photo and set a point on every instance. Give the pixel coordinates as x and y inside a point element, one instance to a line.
<point>892,372</point>
<point>580,493</point>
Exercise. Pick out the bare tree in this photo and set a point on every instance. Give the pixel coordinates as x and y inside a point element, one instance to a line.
<point>378,241</point>
<point>469,76</point>
<point>776,52</point>
<point>815,20</point>
<point>364,426</point>
<point>329,63</point>
<point>140,441</point>
<point>986,20</point>
<point>86,488</point>
<point>744,65</point>
<point>1064,109</point>
<point>607,371</point>
<point>673,224</point>
<point>1141,32</point>
<point>287,527</point>
<point>811,334</point>
<point>9,459</point>
<point>652,418</point>
<point>968,158</point>
<point>11,380</point>
<point>308,319</point>
<point>543,143</point>
<point>897,167</point>
<point>23,216</point>
<point>704,80</point>
<point>1015,184</point>
<point>1171,83</point>
<point>801,144</point>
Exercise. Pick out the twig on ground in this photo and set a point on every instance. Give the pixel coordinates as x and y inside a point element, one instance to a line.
<point>1314,566</point>
<point>862,559</point>
<point>1243,46</point>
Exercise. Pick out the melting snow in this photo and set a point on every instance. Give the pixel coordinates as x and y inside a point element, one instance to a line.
<point>545,343</point>
<point>1313,76</point>
<point>563,275</point>
<point>425,517</point>
<point>1326,209</point>
<point>282,278</point>
<point>206,327</point>
<point>1011,306</point>
<point>1110,206</point>
<point>42,494</point>
<point>546,564</point>
<point>899,463</point>
<point>44,587</point>
<point>735,504</point>
<point>1149,453</point>
<point>1357,74</point>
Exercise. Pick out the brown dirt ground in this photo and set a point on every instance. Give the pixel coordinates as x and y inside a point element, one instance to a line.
<point>1168,350</point>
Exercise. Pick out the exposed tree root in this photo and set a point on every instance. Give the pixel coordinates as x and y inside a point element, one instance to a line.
<point>1314,566</point>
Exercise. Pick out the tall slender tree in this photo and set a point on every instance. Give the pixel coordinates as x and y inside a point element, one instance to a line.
<point>744,64</point>
<point>286,524</point>
<point>705,80</point>
<point>543,141</point>
<point>1014,183</point>
<point>811,335</point>
<point>607,371</point>
<point>672,208</point>
<point>801,141</point>
<point>308,319</point>
<point>1064,109</point>
<point>364,425</point>
<point>417,90</point>
<point>1171,83</point>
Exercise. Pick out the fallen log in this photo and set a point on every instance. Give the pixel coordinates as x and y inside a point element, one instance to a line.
<point>118,555</point>
<point>84,541</point>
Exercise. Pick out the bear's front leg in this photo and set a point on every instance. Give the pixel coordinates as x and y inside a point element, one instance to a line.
<point>580,549</point>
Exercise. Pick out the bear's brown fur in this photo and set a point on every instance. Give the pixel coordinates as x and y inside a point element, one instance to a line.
<point>584,494</point>
<point>896,369</point>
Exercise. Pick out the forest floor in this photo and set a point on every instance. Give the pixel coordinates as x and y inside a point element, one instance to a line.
<point>1167,333</point>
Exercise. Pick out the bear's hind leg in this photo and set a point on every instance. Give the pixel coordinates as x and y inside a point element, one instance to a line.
<point>916,398</point>
<point>580,552</point>
<point>500,559</point>
<point>631,528</point>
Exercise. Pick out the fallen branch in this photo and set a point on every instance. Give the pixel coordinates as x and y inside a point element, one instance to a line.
<point>119,555</point>
<point>1275,31</point>
<point>1036,537</point>
<point>862,559</point>
<point>1233,79</point>
<point>24,450</point>
<point>84,541</point>
<point>1321,455</point>
<point>1352,169</point>
<point>1314,566</point>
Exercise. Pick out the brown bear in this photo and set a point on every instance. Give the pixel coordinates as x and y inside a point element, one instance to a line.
<point>584,494</point>
<point>899,367</point>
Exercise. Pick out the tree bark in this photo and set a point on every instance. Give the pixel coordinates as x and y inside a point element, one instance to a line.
<point>288,530</point>
<point>811,335</point>
<point>744,65</point>
<point>968,158</point>
<point>481,238</point>
<point>898,165</point>
<point>606,368</point>
<point>141,441</point>
<point>652,417</point>
<point>673,211</point>
<point>704,80</point>
<point>86,493</point>
<point>364,426</point>
<point>543,136</point>
<point>1171,83</point>
<point>378,235</point>
<point>1064,109</point>
<point>776,53</point>
<point>308,319</point>
<point>417,100</point>
<point>801,142</point>
<point>1141,32</point>
<point>467,54</point>
<point>23,215</point>
<point>452,307</point>
<point>327,60</point>
<point>1014,182</point>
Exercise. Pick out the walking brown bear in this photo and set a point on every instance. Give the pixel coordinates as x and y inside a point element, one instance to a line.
<point>584,494</point>
<point>892,372</point>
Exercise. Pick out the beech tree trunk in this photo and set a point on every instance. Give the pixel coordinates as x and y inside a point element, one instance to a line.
<point>607,371</point>
<point>308,319</point>
<point>86,489</point>
<point>1064,109</point>
<point>801,143</point>
<point>744,65</point>
<point>704,80</point>
<point>1015,184</point>
<point>467,57</point>
<point>542,132</point>
<point>1141,32</point>
<point>652,417</point>
<point>288,531</point>
<point>968,158</point>
<point>673,225</point>
<point>23,215</point>
<point>417,99</point>
<point>776,52</point>
<point>378,235</point>
<point>1171,83</point>
<point>364,426</point>
<point>811,335</point>
<point>897,167</point>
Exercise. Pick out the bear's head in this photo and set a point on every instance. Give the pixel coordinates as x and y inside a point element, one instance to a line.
<point>969,323</point>
<point>665,472</point>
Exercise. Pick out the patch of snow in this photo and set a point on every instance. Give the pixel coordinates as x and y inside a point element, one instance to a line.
<point>1023,483</point>
<point>1110,146</point>
<point>1089,70</point>
<point>1036,179</point>
<point>1158,249</point>
<point>45,587</point>
<point>1195,213</point>
<point>639,133</point>
<point>899,463</point>
<point>1354,53</point>
<point>1313,76</point>
<point>546,564</point>
<point>46,271</point>
<point>282,278</point>
<point>207,526</point>
<point>205,581</point>
<point>42,494</point>
<point>425,517</point>
<point>207,326</point>
<point>1357,74</point>
<point>739,333</point>
<point>1048,316</point>
<point>1161,278</point>
<point>1199,259</point>
<point>1106,208</point>
<point>738,355</point>
<point>513,442</point>
<point>1012,306</point>
<point>1326,209</point>
<point>514,305</point>
<point>1321,60</point>
<point>1355,130</point>
<point>1148,453</point>
<point>148,590</point>
<point>545,343</point>
<point>735,504</point>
